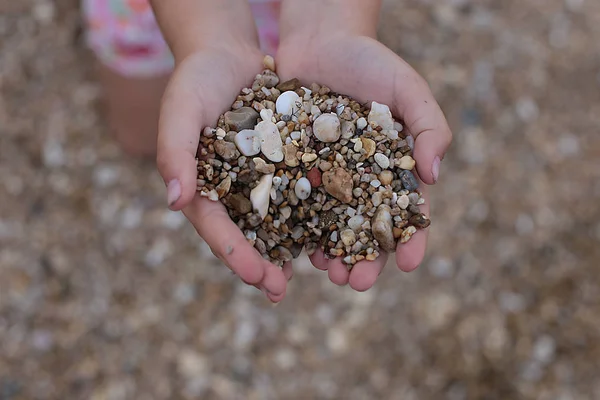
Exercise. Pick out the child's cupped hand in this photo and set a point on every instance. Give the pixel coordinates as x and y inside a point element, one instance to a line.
<point>200,90</point>
<point>362,67</point>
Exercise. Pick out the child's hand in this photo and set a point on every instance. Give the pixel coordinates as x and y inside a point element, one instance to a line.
<point>217,53</point>
<point>352,62</point>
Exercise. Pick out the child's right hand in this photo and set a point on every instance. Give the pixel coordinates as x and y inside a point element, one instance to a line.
<point>199,91</point>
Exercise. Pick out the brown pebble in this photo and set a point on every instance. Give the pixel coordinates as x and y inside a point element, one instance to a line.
<point>338,183</point>
<point>420,221</point>
<point>240,203</point>
<point>292,84</point>
<point>397,232</point>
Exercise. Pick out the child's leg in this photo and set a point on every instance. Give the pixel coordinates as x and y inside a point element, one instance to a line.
<point>133,107</point>
<point>134,64</point>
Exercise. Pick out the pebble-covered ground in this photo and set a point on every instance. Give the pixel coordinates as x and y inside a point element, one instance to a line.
<point>104,294</point>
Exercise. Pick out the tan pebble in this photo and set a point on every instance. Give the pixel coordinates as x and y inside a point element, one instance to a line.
<point>386,177</point>
<point>397,232</point>
<point>223,187</point>
<point>369,146</point>
<point>269,63</point>
<point>309,157</point>
<point>262,167</point>
<point>407,234</point>
<point>371,257</point>
<point>382,226</point>
<point>289,154</point>
<point>406,162</point>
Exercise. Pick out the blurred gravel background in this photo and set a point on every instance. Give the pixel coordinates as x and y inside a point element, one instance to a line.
<point>104,294</point>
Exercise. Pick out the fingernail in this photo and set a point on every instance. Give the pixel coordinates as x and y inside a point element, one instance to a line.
<point>435,168</point>
<point>173,191</point>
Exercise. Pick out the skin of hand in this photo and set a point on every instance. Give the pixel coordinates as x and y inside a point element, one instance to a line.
<point>339,49</point>
<point>211,67</point>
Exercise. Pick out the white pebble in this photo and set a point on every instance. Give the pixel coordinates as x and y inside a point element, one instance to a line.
<point>392,135</point>
<point>334,236</point>
<point>270,141</point>
<point>286,212</point>
<point>288,103</point>
<point>302,188</point>
<point>248,142</point>
<point>361,123</point>
<point>295,135</point>
<point>259,196</point>
<point>410,141</point>
<point>266,114</point>
<point>327,128</point>
<point>356,222</point>
<point>403,202</point>
<point>358,146</point>
<point>382,160</point>
<point>382,116</point>
<point>375,183</point>
<point>377,199</point>
<point>315,111</point>
<point>307,93</point>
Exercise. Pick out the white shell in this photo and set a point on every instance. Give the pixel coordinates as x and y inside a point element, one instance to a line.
<point>270,141</point>
<point>259,196</point>
<point>303,188</point>
<point>287,103</point>
<point>248,142</point>
<point>382,116</point>
<point>327,128</point>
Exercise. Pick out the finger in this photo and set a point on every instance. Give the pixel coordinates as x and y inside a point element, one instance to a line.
<point>364,273</point>
<point>180,123</point>
<point>213,224</point>
<point>319,260</point>
<point>338,272</point>
<point>410,254</point>
<point>274,280</point>
<point>287,271</point>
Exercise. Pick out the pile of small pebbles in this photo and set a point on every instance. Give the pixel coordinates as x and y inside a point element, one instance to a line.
<point>305,168</point>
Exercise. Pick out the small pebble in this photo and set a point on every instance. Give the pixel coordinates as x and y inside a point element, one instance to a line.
<point>248,142</point>
<point>303,188</point>
<point>382,160</point>
<point>403,201</point>
<point>406,162</point>
<point>326,128</point>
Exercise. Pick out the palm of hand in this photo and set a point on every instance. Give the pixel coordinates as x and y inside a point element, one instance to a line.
<point>365,69</point>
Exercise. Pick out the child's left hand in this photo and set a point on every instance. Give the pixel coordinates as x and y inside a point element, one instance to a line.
<point>365,69</point>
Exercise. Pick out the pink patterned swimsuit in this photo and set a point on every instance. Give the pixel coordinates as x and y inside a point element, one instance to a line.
<point>125,36</point>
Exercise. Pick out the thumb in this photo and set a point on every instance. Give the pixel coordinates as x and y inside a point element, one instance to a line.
<point>425,121</point>
<point>180,124</point>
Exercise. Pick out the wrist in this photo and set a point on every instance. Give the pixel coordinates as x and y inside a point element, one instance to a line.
<point>192,26</point>
<point>326,18</point>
